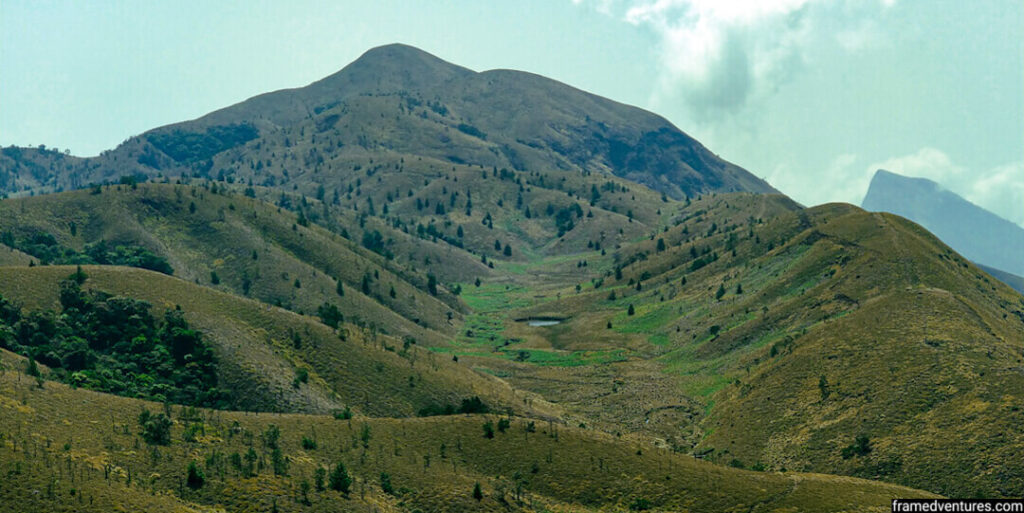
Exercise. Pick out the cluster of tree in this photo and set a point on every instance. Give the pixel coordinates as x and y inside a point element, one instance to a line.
<point>185,146</point>
<point>115,345</point>
<point>45,247</point>
<point>470,405</point>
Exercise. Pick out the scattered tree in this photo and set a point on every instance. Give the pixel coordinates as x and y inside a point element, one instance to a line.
<point>340,480</point>
<point>196,477</point>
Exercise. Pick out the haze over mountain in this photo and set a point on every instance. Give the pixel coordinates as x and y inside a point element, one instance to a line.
<point>974,232</point>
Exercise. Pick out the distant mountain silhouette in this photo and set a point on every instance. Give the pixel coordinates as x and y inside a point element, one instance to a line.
<point>974,232</point>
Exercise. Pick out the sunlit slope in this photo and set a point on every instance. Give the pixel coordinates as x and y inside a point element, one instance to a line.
<point>261,348</point>
<point>248,247</point>
<point>777,341</point>
<point>431,464</point>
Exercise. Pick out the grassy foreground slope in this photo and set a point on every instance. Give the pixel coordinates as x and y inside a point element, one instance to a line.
<point>261,349</point>
<point>76,450</point>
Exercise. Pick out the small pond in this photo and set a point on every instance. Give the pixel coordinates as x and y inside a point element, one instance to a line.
<point>541,321</point>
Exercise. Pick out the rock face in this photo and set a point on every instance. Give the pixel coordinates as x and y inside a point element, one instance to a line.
<point>974,232</point>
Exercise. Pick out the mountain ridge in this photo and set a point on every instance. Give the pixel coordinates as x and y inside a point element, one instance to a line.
<point>564,129</point>
<point>978,234</point>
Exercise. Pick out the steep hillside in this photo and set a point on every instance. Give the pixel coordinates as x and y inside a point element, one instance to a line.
<point>978,234</point>
<point>241,245</point>
<point>262,349</point>
<point>775,340</point>
<point>405,136</point>
<point>99,458</point>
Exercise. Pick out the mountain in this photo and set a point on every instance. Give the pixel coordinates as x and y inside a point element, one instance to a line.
<point>1015,282</point>
<point>397,101</point>
<point>976,233</point>
<point>583,299</point>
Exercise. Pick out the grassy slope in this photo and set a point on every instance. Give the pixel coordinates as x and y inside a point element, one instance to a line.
<point>11,256</point>
<point>224,233</point>
<point>830,291</point>
<point>433,464</point>
<point>259,358</point>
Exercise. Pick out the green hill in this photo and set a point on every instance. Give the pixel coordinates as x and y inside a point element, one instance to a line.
<point>406,142</point>
<point>262,349</point>
<point>760,334</point>
<point>248,247</point>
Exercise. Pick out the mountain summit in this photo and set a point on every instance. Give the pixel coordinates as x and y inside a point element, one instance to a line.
<point>399,100</point>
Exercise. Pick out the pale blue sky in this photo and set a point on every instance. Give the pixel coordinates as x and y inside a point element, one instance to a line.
<point>810,94</point>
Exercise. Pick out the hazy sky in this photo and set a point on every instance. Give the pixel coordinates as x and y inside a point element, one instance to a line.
<point>812,95</point>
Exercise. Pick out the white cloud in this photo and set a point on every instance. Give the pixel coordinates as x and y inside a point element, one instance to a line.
<point>720,55</point>
<point>999,190</point>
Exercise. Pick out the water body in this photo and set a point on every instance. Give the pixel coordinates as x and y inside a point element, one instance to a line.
<point>542,322</point>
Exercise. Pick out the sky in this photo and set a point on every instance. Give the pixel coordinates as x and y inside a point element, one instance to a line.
<point>812,95</point>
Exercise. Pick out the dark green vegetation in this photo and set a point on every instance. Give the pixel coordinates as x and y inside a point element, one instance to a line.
<point>45,247</point>
<point>113,344</point>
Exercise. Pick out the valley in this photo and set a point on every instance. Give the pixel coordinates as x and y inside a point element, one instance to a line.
<point>397,289</point>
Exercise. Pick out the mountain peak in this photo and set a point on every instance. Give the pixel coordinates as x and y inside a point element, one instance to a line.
<point>978,234</point>
<point>398,65</point>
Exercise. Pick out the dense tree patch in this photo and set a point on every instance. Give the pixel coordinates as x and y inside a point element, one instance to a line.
<point>114,344</point>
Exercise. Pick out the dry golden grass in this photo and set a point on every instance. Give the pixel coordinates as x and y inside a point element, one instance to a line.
<point>371,373</point>
<point>55,439</point>
<point>920,350</point>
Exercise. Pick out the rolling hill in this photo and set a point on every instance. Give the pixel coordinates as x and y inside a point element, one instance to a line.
<point>247,246</point>
<point>261,349</point>
<point>760,334</point>
<point>98,459</point>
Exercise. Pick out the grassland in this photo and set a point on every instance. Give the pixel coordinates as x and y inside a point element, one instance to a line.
<point>261,348</point>
<point>93,459</point>
<point>813,303</point>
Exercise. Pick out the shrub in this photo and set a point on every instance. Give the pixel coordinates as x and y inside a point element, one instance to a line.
<point>640,504</point>
<point>156,429</point>
<point>860,447</point>
<point>339,480</point>
<point>196,478</point>
<point>301,376</point>
<point>385,483</point>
